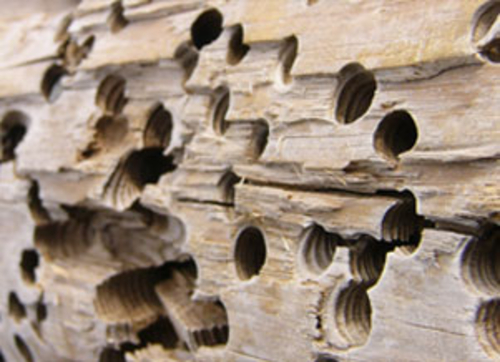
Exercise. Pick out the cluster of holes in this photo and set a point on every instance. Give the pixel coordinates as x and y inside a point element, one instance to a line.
<point>51,85</point>
<point>483,31</point>
<point>29,262</point>
<point>23,349</point>
<point>487,326</point>
<point>356,91</point>
<point>250,252</point>
<point>116,20</point>
<point>12,130</point>
<point>396,133</point>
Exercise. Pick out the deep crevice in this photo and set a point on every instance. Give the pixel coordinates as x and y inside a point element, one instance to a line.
<point>396,133</point>
<point>110,354</point>
<point>250,252</point>
<point>23,349</point>
<point>357,88</point>
<point>206,28</point>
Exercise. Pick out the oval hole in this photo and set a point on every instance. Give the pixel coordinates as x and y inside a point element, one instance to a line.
<point>222,98</point>
<point>158,131</point>
<point>397,133</point>
<point>318,249</point>
<point>51,86</point>
<point>13,130</point>
<point>237,49</point>
<point>486,326</point>
<point>250,252</point>
<point>206,28</point>
<point>29,263</point>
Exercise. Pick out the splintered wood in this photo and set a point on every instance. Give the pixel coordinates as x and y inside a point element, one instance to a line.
<point>250,180</point>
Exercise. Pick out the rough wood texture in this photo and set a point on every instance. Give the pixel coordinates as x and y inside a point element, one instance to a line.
<point>250,180</point>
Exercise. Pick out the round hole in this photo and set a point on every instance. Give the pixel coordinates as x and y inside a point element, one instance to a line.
<point>29,263</point>
<point>352,312</point>
<point>206,28</point>
<point>397,133</point>
<point>487,326</point>
<point>356,92</point>
<point>479,263</point>
<point>318,249</point>
<point>250,252</point>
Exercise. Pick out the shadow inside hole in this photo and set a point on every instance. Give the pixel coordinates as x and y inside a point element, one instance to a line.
<point>51,85</point>
<point>318,249</point>
<point>260,138</point>
<point>17,310</point>
<point>367,260</point>
<point>158,131</point>
<point>250,252</point>
<point>483,36</point>
<point>116,19</point>
<point>206,28</point>
<point>479,262</point>
<point>110,354</point>
<point>396,133</point>
<point>29,263</point>
<point>352,312</point>
<point>286,59</point>
<point>187,56</point>
<point>357,88</point>
<point>220,108</point>
<point>487,327</point>
<point>147,166</point>
<point>110,95</point>
<point>23,349</point>
<point>237,49</point>
<point>12,130</point>
<point>226,185</point>
<point>325,359</point>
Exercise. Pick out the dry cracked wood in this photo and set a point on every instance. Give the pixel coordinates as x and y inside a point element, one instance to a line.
<point>250,180</point>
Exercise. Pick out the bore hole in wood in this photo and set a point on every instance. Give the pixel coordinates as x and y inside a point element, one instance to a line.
<point>110,96</point>
<point>318,248</point>
<point>158,131</point>
<point>41,312</point>
<point>237,49</point>
<point>13,128</point>
<point>325,359</point>
<point>220,108</point>
<point>206,28</point>
<point>260,138</point>
<point>357,88</point>
<point>353,314</point>
<point>29,263</point>
<point>484,26</point>
<point>38,212</point>
<point>187,56</point>
<point>111,131</point>
<point>487,326</point>
<point>160,332</point>
<point>51,86</point>
<point>226,185</point>
<point>402,226</point>
<point>250,252</point>
<point>116,19</point>
<point>23,349</point>
<point>396,133</point>
<point>147,166</point>
<point>17,310</point>
<point>286,59</point>
<point>480,267</point>
<point>110,354</point>
<point>64,239</point>
<point>367,260</point>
